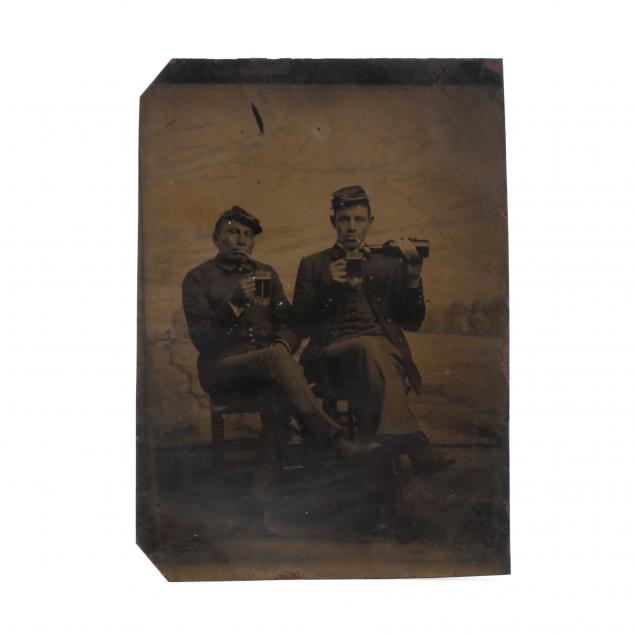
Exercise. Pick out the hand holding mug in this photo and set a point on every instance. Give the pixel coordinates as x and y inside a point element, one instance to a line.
<point>244,292</point>
<point>337,271</point>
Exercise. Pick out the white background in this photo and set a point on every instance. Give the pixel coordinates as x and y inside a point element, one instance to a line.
<point>70,80</point>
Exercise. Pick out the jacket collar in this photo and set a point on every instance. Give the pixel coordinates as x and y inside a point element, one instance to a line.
<point>337,251</point>
<point>230,267</point>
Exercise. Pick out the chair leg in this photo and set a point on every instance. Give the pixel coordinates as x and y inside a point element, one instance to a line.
<point>274,434</point>
<point>267,451</point>
<point>218,441</point>
<point>330,407</point>
<point>340,411</point>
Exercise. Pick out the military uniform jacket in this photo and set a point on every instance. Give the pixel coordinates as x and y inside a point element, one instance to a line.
<point>212,323</point>
<point>395,306</point>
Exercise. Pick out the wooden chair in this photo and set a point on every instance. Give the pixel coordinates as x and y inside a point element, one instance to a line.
<point>335,404</point>
<point>263,398</point>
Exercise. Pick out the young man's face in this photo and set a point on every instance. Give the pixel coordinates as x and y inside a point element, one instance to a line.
<point>352,225</point>
<point>234,241</point>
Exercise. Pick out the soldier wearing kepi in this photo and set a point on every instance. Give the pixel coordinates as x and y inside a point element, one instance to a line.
<point>242,337</point>
<point>356,321</point>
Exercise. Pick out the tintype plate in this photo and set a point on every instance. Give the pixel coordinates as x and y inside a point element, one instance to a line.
<point>296,420</point>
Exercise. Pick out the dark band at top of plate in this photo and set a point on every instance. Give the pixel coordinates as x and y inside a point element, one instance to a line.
<point>425,72</point>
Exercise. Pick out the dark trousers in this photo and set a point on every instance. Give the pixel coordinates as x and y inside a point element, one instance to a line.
<point>372,372</point>
<point>276,365</point>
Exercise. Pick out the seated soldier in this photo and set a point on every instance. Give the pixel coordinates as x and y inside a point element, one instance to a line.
<point>356,328</point>
<point>241,338</point>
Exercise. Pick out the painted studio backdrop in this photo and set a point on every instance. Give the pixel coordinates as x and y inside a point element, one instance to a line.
<point>425,139</point>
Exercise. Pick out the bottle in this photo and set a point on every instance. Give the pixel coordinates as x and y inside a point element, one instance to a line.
<point>390,248</point>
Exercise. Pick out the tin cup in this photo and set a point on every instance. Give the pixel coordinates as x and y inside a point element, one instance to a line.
<point>263,287</point>
<point>354,261</point>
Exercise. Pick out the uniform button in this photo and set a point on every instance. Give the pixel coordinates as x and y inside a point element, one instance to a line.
<point>370,277</point>
<point>378,299</point>
<point>389,320</point>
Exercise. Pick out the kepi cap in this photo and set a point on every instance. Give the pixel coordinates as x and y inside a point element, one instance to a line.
<point>243,216</point>
<point>349,196</point>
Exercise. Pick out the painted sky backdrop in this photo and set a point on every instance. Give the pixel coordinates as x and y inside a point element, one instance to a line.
<point>432,159</point>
